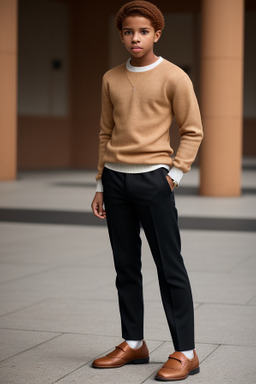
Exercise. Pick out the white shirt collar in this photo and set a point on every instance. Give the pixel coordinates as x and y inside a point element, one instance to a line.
<point>131,68</point>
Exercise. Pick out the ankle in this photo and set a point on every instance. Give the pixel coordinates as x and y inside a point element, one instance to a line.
<point>134,344</point>
<point>189,354</point>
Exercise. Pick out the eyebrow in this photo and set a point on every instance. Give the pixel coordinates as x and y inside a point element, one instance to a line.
<point>129,29</point>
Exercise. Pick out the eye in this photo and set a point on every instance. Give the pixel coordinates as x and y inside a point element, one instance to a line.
<point>127,32</point>
<point>144,32</point>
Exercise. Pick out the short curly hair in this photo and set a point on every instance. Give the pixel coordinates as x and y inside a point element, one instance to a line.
<point>141,8</point>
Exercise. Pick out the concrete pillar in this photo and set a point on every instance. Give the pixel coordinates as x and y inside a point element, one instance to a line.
<point>8,88</point>
<point>221,97</point>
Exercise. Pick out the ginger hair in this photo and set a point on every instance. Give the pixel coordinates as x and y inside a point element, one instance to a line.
<point>141,8</point>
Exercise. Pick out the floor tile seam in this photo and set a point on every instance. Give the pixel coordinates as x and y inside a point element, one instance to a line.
<point>207,272</point>
<point>209,343</point>
<point>209,354</point>
<point>21,264</point>
<point>222,345</point>
<point>232,345</point>
<point>61,333</point>
<point>94,267</point>
<point>152,375</point>
<point>159,346</point>
<point>162,341</point>
<point>244,345</point>
<point>248,303</point>
<point>206,343</point>
<point>100,287</point>
<point>92,299</point>
<point>195,270</point>
<point>88,266</point>
<point>30,275</point>
<point>36,330</point>
<point>235,303</point>
<point>68,374</point>
<point>109,268</point>
<point>23,308</point>
<point>54,298</point>
<point>240,263</point>
<point>53,331</point>
<point>90,362</point>
<point>225,304</point>
<point>251,299</point>
<point>30,348</point>
<point>198,305</point>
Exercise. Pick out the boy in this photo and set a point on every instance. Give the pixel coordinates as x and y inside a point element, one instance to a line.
<point>138,176</point>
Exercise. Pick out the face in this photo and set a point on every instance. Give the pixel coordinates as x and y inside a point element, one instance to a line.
<point>139,36</point>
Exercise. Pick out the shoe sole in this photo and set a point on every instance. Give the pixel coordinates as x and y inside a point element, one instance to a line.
<point>136,361</point>
<point>139,361</point>
<point>194,372</point>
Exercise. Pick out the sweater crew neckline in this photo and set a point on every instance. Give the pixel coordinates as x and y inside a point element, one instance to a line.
<point>146,68</point>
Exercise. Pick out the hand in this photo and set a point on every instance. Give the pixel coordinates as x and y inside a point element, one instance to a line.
<point>170,182</point>
<point>97,206</point>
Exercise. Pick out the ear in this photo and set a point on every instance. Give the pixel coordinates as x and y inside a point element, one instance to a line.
<point>121,36</point>
<point>157,36</point>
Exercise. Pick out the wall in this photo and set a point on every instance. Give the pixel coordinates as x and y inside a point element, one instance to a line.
<point>44,130</point>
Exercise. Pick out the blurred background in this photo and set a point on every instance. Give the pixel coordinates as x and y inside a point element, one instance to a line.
<point>54,53</point>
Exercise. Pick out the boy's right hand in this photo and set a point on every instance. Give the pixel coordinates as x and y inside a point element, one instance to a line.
<point>97,206</point>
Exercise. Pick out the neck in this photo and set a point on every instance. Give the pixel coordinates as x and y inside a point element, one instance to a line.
<point>143,61</point>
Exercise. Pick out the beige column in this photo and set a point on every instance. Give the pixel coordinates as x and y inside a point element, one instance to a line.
<point>8,88</point>
<point>221,97</point>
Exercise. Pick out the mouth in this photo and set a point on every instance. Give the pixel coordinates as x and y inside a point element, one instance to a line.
<point>136,48</point>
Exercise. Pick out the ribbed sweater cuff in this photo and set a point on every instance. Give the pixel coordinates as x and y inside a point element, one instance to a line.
<point>99,186</point>
<point>176,174</point>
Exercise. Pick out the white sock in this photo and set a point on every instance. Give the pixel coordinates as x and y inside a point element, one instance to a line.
<point>189,354</point>
<point>134,344</point>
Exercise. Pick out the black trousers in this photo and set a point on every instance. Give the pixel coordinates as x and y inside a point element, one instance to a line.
<point>147,199</point>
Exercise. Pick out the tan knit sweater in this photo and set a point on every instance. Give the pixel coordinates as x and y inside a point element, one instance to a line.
<point>137,111</point>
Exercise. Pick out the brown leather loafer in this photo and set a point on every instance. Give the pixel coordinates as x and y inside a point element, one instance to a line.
<point>123,354</point>
<point>178,367</point>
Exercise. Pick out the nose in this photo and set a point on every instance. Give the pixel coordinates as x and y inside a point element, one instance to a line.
<point>135,38</point>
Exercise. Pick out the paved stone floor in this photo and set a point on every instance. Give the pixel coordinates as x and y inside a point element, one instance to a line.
<point>58,304</point>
